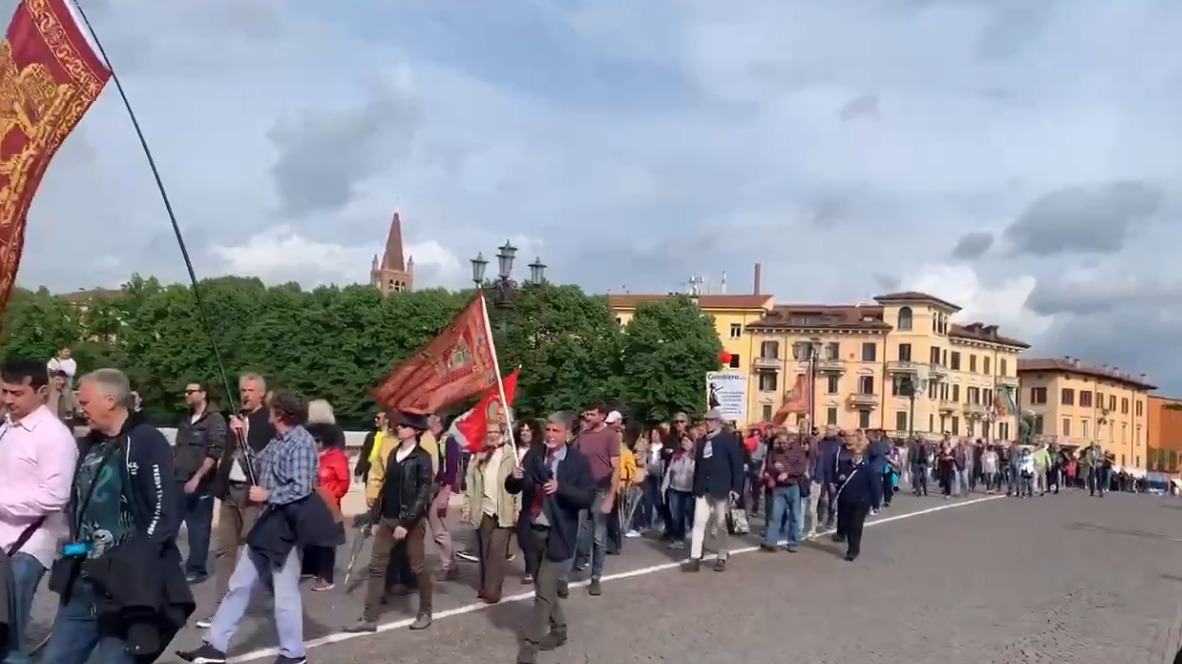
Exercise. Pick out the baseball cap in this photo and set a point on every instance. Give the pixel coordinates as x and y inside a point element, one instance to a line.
<point>614,417</point>
<point>713,414</point>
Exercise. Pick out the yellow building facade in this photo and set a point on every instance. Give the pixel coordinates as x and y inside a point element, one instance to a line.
<point>864,358</point>
<point>1075,404</point>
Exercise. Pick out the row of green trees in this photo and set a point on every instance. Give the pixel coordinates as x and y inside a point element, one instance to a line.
<point>335,343</point>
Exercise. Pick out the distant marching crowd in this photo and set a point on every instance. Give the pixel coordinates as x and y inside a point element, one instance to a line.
<point>101,515</point>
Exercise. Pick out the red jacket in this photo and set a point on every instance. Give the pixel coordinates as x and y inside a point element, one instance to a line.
<point>334,473</point>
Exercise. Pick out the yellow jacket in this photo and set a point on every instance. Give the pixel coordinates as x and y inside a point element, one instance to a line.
<point>382,447</point>
<point>628,469</point>
<point>430,445</point>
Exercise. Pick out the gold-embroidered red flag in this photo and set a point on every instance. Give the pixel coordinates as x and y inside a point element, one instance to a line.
<point>50,74</point>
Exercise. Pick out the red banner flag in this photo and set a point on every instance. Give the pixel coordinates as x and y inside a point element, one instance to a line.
<point>49,77</point>
<point>795,401</point>
<point>453,366</point>
<point>472,425</point>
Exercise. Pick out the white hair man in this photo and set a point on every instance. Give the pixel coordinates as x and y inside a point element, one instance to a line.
<point>250,432</point>
<point>123,517</point>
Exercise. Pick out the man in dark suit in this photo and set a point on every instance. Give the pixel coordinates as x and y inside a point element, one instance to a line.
<point>555,483</point>
<point>718,483</point>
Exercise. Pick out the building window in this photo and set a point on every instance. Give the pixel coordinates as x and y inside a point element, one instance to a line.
<point>1066,426</point>
<point>1140,409</point>
<point>1038,396</point>
<point>900,420</point>
<point>1083,428</point>
<point>1085,399</point>
<point>1124,406</point>
<point>904,352</point>
<point>931,422</point>
<point>865,384</point>
<point>618,321</point>
<point>863,419</point>
<point>833,351</point>
<point>1003,430</point>
<point>1111,402</point>
<point>1122,459</point>
<point>985,368</point>
<point>905,319</point>
<point>1124,434</point>
<point>1038,427</point>
<point>1067,397</point>
<point>831,384</point>
<point>735,362</point>
<point>736,330</point>
<point>767,412</point>
<point>767,381</point>
<point>1138,461</point>
<point>955,426</point>
<point>956,393</point>
<point>869,351</point>
<point>972,365</point>
<point>831,416</point>
<point>955,365</point>
<point>1003,370</point>
<point>934,355</point>
<point>769,350</point>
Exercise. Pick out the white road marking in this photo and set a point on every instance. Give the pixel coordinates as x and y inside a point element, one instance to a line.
<point>338,637</point>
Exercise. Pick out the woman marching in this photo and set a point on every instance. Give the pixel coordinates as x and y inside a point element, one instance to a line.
<point>853,497</point>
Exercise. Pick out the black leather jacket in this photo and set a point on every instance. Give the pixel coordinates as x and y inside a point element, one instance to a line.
<point>416,488</point>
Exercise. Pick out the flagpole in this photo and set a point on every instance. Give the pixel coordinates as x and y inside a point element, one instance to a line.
<point>176,228</point>
<point>492,345</point>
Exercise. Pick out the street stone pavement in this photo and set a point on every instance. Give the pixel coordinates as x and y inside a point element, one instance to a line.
<point>1058,579</point>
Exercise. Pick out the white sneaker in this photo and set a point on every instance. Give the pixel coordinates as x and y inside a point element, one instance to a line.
<point>632,534</point>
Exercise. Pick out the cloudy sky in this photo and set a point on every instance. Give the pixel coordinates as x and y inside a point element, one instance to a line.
<point>1021,158</point>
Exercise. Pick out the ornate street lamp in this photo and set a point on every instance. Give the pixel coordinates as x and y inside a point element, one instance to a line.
<point>537,272</point>
<point>479,265</point>
<point>505,260</point>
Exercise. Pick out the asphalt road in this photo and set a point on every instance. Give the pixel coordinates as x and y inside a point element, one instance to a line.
<point>1055,579</point>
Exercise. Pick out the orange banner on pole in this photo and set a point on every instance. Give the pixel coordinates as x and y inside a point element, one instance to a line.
<point>455,365</point>
<point>49,76</point>
<point>795,401</point>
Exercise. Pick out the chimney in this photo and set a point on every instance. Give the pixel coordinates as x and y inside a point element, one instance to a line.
<point>758,277</point>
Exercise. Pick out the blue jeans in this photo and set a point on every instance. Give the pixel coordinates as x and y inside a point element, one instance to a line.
<point>289,610</point>
<point>681,513</point>
<point>785,501</point>
<point>198,518</point>
<point>26,574</point>
<point>78,632</point>
<point>593,527</point>
<point>651,503</point>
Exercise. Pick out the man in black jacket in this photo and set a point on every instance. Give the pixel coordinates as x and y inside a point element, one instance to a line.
<point>555,484</point>
<point>401,522</point>
<point>200,441</point>
<point>231,482</point>
<point>122,495</point>
<point>718,483</point>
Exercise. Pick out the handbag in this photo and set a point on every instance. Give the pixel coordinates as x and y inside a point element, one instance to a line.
<point>65,570</point>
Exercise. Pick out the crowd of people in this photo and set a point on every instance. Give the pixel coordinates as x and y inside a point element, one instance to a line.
<point>101,514</point>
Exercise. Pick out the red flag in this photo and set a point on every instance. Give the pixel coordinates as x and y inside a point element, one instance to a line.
<point>455,365</point>
<point>49,77</point>
<point>472,425</point>
<point>795,401</point>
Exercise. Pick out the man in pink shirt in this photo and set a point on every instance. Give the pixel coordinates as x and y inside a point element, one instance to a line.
<point>37,458</point>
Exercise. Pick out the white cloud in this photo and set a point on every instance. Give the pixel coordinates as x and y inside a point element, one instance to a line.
<point>1002,304</point>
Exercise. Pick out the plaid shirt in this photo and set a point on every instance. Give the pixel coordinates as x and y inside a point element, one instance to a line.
<point>288,465</point>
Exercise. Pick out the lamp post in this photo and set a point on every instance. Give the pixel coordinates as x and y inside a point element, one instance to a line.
<point>506,254</point>
<point>814,353</point>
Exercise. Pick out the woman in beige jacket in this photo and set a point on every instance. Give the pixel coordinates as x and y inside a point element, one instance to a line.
<point>491,510</point>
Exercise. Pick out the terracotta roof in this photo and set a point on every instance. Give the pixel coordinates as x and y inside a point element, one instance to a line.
<point>822,316</point>
<point>706,302</point>
<point>905,297</point>
<point>1073,365</point>
<point>983,332</point>
<point>86,295</point>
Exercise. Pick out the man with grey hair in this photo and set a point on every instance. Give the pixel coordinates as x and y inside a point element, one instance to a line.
<point>122,494</point>
<point>556,484</point>
<point>250,433</point>
<point>718,483</point>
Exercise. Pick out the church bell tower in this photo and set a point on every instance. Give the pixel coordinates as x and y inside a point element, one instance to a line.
<point>391,273</point>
